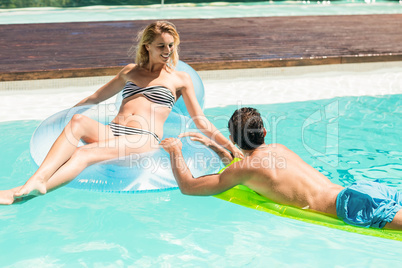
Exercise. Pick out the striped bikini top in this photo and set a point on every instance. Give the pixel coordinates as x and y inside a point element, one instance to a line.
<point>157,94</point>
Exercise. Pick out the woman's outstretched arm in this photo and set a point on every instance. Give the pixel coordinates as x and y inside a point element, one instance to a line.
<point>202,123</point>
<point>110,89</point>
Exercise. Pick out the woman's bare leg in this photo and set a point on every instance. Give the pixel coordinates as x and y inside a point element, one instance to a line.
<point>87,155</point>
<point>79,127</point>
<point>97,152</point>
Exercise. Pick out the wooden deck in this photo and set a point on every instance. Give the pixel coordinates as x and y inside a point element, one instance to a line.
<point>58,50</point>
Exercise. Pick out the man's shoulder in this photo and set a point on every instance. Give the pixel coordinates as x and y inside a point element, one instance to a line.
<point>246,164</point>
<point>277,146</point>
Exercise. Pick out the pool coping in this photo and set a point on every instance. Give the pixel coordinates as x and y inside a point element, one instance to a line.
<point>198,66</point>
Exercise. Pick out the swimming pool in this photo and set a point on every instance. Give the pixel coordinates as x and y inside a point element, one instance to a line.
<point>204,11</point>
<point>72,227</point>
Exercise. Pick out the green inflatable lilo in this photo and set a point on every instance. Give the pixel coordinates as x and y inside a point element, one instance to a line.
<point>244,196</point>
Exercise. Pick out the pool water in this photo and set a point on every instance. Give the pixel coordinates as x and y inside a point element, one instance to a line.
<point>346,138</point>
<point>203,11</point>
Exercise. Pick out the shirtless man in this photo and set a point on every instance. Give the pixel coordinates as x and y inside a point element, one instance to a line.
<point>279,174</point>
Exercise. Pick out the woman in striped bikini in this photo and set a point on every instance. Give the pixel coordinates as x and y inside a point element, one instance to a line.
<point>150,88</point>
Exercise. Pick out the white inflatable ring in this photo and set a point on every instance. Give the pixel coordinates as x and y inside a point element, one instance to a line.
<point>135,173</point>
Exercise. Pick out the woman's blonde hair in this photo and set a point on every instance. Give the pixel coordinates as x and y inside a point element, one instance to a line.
<point>148,35</point>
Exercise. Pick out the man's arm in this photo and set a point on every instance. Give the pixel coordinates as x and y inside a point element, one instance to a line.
<point>205,185</point>
<point>225,156</point>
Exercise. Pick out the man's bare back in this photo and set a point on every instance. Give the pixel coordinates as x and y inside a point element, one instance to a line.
<point>279,174</point>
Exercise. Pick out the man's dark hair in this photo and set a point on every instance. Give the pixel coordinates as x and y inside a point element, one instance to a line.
<point>247,128</point>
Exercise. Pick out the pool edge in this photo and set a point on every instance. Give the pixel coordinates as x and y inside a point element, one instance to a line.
<point>202,66</point>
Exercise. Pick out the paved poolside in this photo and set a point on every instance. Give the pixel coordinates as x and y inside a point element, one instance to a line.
<point>81,49</point>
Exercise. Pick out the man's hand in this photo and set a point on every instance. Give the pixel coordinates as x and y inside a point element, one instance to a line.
<point>236,152</point>
<point>224,155</point>
<point>171,145</point>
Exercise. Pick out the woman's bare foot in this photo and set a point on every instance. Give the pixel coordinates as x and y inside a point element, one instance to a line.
<point>7,197</point>
<point>32,187</point>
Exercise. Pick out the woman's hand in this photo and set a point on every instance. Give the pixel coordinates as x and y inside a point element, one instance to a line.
<point>194,136</point>
<point>236,152</point>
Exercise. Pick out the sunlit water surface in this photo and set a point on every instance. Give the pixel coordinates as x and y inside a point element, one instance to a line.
<point>346,138</point>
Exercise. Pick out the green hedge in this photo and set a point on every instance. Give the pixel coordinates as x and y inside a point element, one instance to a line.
<point>80,3</point>
<point>71,3</point>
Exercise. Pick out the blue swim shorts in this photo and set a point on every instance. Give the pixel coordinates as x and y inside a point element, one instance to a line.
<point>368,204</point>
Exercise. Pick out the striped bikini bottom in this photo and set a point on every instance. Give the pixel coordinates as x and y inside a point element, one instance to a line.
<point>119,130</point>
